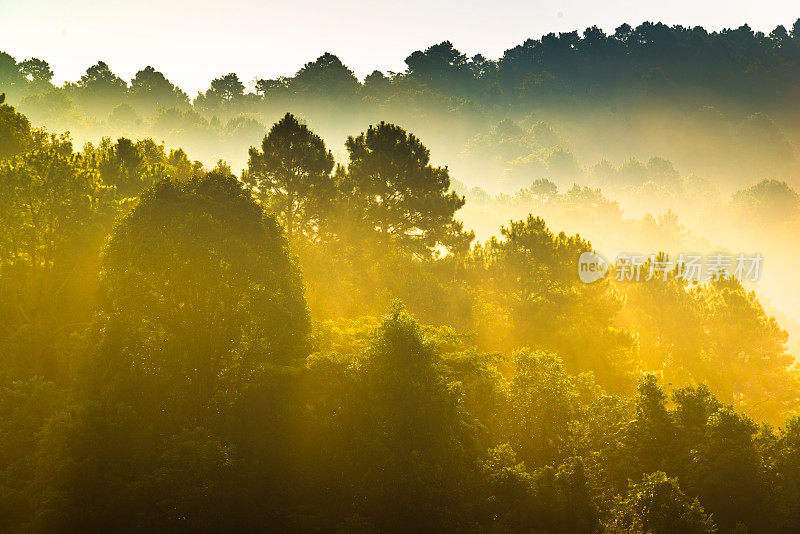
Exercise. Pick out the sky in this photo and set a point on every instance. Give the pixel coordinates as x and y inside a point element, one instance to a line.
<point>192,42</point>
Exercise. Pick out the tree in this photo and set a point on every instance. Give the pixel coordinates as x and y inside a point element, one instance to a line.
<point>787,457</point>
<point>541,408</point>
<point>399,194</point>
<point>769,201</point>
<point>224,90</point>
<point>54,215</point>
<point>11,79</point>
<point>554,500</point>
<point>796,30</point>
<point>650,438</point>
<point>228,88</point>
<point>201,256</point>
<point>746,361</point>
<point>268,88</point>
<point>325,77</point>
<point>727,471</point>
<point>528,279</point>
<point>376,84</point>
<point>38,73</point>
<point>292,175</point>
<point>543,190</point>
<point>426,458</point>
<point>442,67</point>
<point>99,89</point>
<point>15,130</point>
<point>656,505</point>
<point>131,167</point>
<point>151,90</point>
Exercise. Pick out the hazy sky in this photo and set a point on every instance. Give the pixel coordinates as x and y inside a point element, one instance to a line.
<point>195,41</point>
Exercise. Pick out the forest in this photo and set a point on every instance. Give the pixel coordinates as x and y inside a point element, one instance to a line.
<point>325,304</point>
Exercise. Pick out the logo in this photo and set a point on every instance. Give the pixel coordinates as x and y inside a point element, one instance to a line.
<point>591,267</point>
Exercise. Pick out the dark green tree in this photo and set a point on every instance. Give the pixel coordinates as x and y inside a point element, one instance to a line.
<point>325,77</point>
<point>38,73</point>
<point>224,91</point>
<point>656,505</point>
<point>99,90</point>
<point>150,90</point>
<point>291,175</point>
<point>727,472</point>
<point>426,458</point>
<point>15,130</point>
<point>12,81</point>
<point>399,194</point>
<point>201,257</point>
<point>541,409</point>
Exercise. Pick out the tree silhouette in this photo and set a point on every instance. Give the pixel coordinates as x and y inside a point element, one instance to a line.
<point>400,194</point>
<point>292,175</point>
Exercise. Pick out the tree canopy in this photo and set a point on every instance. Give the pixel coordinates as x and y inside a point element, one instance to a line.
<point>308,346</point>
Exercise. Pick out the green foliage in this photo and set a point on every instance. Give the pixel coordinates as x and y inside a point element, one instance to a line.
<point>15,130</point>
<point>37,72</point>
<point>201,256</point>
<point>399,194</point>
<point>54,215</point>
<point>292,176</point>
<point>729,451</point>
<point>99,90</point>
<point>543,404</point>
<point>150,90</point>
<point>528,279</point>
<point>223,93</point>
<point>656,505</point>
<point>176,382</point>
<point>131,167</point>
<point>401,378</point>
<point>551,500</point>
<point>326,77</point>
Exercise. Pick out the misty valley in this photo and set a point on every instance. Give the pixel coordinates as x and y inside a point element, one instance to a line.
<point>400,302</point>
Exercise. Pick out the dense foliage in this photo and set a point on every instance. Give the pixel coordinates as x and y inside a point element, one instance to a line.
<point>165,366</point>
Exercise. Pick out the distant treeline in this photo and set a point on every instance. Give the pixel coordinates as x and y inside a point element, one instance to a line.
<point>725,96</point>
<point>654,58</point>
